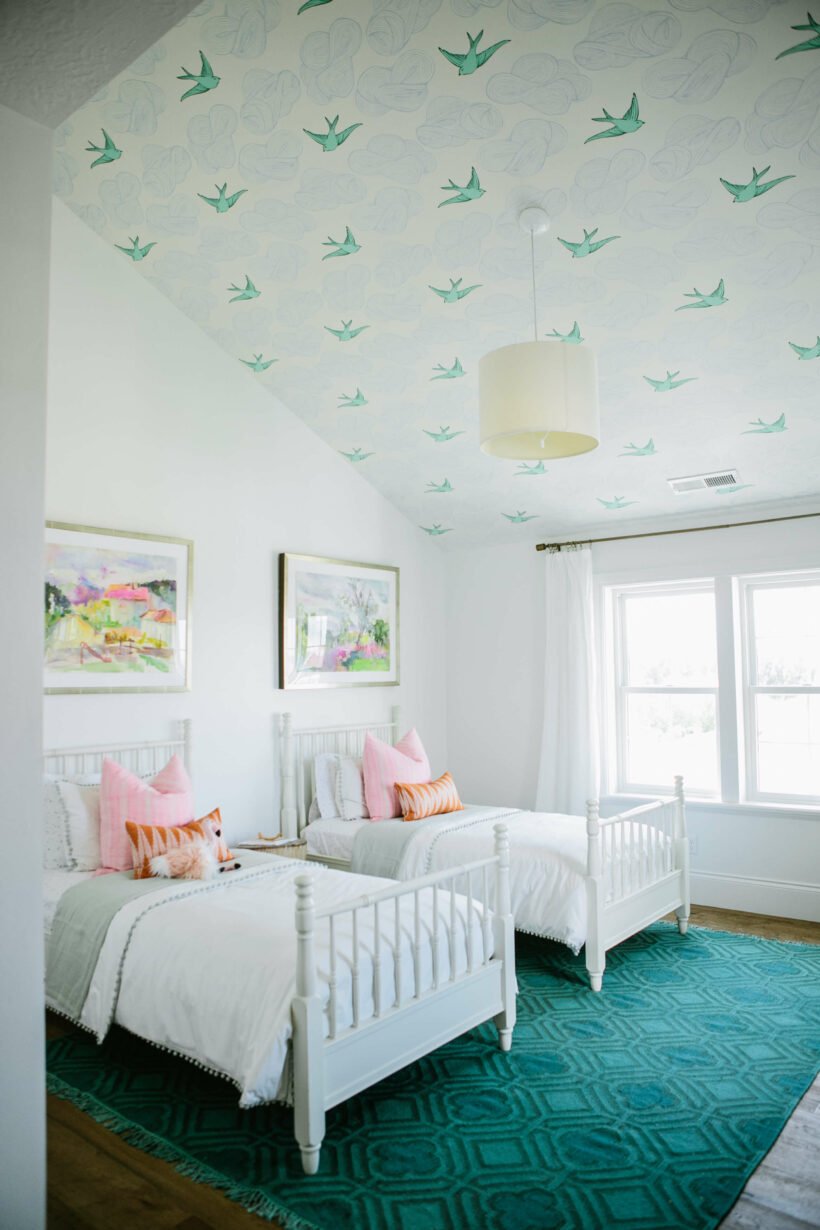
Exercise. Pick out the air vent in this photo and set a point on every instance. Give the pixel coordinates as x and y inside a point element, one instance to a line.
<point>699,482</point>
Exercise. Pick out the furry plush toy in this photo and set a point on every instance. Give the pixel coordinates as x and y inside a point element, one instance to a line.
<point>195,860</point>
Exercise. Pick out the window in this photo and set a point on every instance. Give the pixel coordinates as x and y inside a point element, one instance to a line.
<point>781,686</point>
<point>667,688</point>
<point>719,680</point>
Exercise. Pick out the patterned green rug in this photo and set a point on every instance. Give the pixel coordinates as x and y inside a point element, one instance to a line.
<point>646,1106</point>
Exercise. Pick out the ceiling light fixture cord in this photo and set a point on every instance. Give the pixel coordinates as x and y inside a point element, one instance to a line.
<point>534,306</point>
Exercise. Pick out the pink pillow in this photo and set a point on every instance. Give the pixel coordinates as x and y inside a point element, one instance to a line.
<point>167,800</point>
<point>383,766</point>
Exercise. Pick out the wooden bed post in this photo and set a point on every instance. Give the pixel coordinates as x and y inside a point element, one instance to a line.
<point>504,937</point>
<point>288,817</point>
<point>682,855</point>
<point>395,718</point>
<point>308,1044</point>
<point>595,945</point>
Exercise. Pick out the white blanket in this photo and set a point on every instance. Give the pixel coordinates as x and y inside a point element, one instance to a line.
<point>209,972</point>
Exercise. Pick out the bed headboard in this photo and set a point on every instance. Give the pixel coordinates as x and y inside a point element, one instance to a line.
<point>297,750</point>
<point>140,758</point>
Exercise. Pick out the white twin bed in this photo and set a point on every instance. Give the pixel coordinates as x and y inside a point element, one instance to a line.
<point>299,987</point>
<point>588,882</point>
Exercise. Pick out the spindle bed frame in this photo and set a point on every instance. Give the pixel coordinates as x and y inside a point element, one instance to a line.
<point>330,1064</point>
<point>637,862</point>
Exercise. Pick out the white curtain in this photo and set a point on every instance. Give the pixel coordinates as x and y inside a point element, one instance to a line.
<point>569,769</point>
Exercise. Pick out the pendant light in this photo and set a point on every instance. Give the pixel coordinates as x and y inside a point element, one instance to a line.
<point>538,400</point>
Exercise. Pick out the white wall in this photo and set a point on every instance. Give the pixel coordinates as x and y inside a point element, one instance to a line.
<point>25,208</point>
<point>744,858</point>
<point>153,428</point>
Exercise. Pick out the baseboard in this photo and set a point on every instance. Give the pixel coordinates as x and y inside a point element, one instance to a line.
<point>780,898</point>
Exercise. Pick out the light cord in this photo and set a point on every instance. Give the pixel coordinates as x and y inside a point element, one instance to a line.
<point>534,306</point>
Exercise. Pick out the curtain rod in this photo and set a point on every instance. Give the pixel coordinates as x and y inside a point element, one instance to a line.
<point>695,529</point>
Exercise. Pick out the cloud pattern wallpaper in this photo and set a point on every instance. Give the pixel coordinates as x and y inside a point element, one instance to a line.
<point>331,191</point>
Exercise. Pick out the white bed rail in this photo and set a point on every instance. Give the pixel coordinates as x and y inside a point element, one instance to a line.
<point>297,751</point>
<point>140,758</point>
<point>633,856</point>
<point>470,978</point>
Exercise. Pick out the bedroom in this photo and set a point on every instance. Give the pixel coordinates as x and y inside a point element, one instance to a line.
<point>154,428</point>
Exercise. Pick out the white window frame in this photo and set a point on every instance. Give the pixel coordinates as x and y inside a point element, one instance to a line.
<point>617,596</point>
<point>749,688</point>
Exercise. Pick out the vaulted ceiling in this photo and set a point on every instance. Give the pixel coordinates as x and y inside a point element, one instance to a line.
<point>359,267</point>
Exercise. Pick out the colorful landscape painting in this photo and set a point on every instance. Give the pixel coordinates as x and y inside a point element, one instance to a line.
<point>115,610</point>
<point>339,623</point>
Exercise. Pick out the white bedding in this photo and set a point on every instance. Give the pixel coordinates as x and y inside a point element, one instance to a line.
<point>55,883</point>
<point>210,973</point>
<point>332,838</point>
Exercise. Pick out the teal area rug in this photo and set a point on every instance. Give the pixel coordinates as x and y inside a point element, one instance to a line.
<point>646,1106</point>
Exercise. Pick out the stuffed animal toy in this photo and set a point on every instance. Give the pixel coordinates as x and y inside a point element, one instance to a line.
<point>195,860</point>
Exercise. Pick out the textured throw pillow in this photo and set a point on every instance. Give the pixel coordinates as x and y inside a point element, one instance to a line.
<point>166,800</point>
<point>149,840</point>
<point>324,784</point>
<point>422,799</point>
<point>383,766</point>
<point>350,802</point>
<point>71,822</point>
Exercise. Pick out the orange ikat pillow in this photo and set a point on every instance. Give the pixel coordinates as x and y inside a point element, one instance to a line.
<point>149,840</point>
<point>418,800</point>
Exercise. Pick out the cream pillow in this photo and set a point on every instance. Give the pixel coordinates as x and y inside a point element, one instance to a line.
<point>71,814</point>
<point>349,790</point>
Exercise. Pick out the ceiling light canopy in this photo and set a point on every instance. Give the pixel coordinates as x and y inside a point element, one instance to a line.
<point>538,400</point>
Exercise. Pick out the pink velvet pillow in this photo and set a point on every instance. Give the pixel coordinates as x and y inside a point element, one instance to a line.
<point>383,766</point>
<point>167,800</point>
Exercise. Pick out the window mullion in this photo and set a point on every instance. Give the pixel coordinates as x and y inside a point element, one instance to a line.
<point>727,697</point>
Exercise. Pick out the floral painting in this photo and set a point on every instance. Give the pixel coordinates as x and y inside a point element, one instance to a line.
<point>339,623</point>
<point>115,611</point>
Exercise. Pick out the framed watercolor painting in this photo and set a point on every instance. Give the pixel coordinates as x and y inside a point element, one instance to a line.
<point>117,611</point>
<point>338,623</point>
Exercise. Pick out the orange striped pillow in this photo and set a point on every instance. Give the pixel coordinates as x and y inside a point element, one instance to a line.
<point>418,800</point>
<point>148,840</point>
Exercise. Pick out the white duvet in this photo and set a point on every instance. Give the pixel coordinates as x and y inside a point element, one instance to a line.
<point>210,973</point>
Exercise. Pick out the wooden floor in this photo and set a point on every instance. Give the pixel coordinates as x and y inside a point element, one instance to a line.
<point>97,1182</point>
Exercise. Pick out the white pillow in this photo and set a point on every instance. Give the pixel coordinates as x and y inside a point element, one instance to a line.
<point>324,784</point>
<point>350,789</point>
<point>71,808</point>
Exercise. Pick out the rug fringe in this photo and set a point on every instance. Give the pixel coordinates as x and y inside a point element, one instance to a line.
<point>758,939</point>
<point>251,1198</point>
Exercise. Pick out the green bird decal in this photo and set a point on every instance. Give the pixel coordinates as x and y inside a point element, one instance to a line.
<point>346,334</point>
<point>470,192</point>
<point>455,292</point>
<point>717,298</point>
<point>663,386</point>
<point>748,192</point>
<point>811,44</point>
<point>310,4</point>
<point>344,247</point>
<point>442,435</point>
<point>248,291</point>
<point>449,373</point>
<point>519,517</point>
<point>529,471</point>
<point>331,139</point>
<point>440,488</point>
<point>731,489</point>
<point>136,252</point>
<point>620,127</point>
<point>468,61</point>
<point>637,450</point>
<point>222,203</point>
<point>758,427</point>
<point>108,152</point>
<point>356,455</point>
<point>807,352</point>
<point>613,505</point>
<point>346,402</point>
<point>258,364</point>
<point>435,529</point>
<point>587,245</point>
<point>573,337</point>
<point>204,80</point>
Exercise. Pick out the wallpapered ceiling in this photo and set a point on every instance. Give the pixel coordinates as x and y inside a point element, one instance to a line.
<point>331,191</point>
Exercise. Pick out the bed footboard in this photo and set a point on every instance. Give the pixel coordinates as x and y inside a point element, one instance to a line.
<point>409,968</point>
<point>637,871</point>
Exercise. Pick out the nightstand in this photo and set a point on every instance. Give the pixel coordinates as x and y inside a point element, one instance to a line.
<point>291,849</point>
